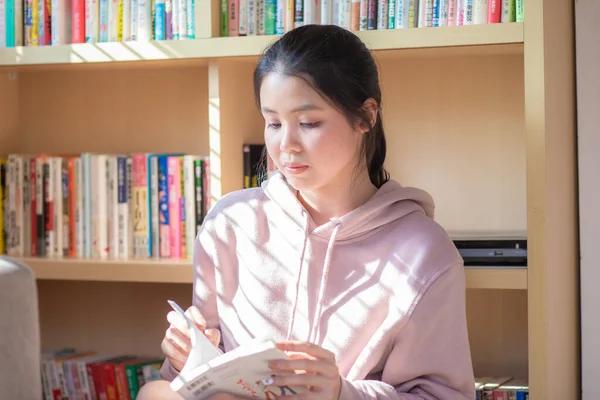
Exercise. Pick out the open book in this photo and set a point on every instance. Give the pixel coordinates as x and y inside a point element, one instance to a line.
<point>240,372</point>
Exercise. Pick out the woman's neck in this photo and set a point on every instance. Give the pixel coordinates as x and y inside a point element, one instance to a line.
<point>335,200</point>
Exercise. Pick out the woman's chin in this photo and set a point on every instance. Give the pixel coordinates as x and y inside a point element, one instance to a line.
<point>299,182</point>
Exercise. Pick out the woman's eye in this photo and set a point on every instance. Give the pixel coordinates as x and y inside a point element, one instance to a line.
<point>310,124</point>
<point>274,125</point>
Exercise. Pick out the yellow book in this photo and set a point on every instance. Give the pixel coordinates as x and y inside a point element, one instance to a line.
<point>2,202</point>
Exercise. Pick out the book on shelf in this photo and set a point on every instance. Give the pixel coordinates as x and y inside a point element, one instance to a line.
<point>65,22</point>
<point>71,374</point>
<point>241,371</point>
<point>103,206</point>
<point>501,388</point>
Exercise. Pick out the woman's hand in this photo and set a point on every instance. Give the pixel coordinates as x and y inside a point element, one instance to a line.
<point>317,366</point>
<point>177,343</point>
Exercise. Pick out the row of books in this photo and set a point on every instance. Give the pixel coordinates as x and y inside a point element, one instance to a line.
<point>71,374</point>
<point>501,388</point>
<point>55,22</point>
<point>271,17</point>
<point>103,206</point>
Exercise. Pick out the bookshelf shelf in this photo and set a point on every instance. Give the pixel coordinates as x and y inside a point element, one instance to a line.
<point>496,278</point>
<point>111,270</point>
<point>482,38</point>
<point>169,271</point>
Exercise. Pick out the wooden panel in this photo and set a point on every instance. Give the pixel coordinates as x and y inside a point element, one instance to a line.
<point>234,120</point>
<point>554,352</point>
<point>455,127</point>
<point>118,110</point>
<point>9,111</point>
<point>496,278</point>
<point>128,318</point>
<point>497,322</point>
<point>587,13</point>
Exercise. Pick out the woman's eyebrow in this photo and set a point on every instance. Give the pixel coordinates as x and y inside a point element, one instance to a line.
<point>303,107</point>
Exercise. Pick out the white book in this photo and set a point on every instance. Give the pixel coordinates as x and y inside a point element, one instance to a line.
<point>92,21</point>
<point>443,13</point>
<point>182,18</point>
<point>252,10</point>
<point>190,204</point>
<point>61,22</point>
<point>209,371</point>
<point>344,13</point>
<point>260,12</point>
<point>112,205</point>
<point>480,12</point>
<point>79,235</point>
<point>2,24</point>
<point>98,199</point>
<point>144,20</point>
<point>327,12</point>
<point>113,15</point>
<point>468,12</point>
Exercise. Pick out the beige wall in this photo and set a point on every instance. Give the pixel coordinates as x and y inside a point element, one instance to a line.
<point>587,16</point>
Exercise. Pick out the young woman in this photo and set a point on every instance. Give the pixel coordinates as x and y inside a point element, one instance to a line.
<point>343,266</point>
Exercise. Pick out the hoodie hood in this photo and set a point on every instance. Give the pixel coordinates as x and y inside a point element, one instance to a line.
<point>390,203</point>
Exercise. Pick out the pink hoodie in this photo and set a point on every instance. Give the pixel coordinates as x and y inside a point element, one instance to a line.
<point>383,287</point>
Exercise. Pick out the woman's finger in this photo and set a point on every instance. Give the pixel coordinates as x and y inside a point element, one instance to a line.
<point>196,316</point>
<point>308,348</point>
<point>179,339</point>
<point>178,322</point>
<point>173,353</point>
<point>214,335</point>
<point>311,366</point>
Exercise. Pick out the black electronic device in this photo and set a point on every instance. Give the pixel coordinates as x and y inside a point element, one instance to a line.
<point>493,251</point>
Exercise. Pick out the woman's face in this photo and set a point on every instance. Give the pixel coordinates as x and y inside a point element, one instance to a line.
<point>310,142</point>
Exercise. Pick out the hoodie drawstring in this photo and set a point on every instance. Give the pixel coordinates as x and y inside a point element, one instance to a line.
<point>293,318</point>
<point>315,326</point>
<point>323,284</point>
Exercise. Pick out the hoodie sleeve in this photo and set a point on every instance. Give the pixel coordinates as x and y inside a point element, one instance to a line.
<point>431,356</point>
<point>204,286</point>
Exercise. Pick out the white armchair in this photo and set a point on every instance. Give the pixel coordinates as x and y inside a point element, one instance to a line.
<point>20,348</point>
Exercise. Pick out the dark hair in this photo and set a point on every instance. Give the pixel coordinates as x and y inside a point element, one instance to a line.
<point>338,65</point>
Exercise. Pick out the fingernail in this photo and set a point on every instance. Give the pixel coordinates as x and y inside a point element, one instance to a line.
<point>268,381</point>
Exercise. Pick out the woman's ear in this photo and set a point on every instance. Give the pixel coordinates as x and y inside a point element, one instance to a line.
<point>370,106</point>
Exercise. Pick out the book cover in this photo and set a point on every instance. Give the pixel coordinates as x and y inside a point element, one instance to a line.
<point>240,372</point>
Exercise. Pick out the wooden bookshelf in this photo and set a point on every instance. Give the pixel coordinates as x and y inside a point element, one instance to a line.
<point>181,272</point>
<point>484,38</point>
<point>482,117</point>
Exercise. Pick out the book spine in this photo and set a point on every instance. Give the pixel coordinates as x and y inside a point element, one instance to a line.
<point>72,204</point>
<point>140,206</point>
<point>79,220</point>
<point>480,12</point>
<point>154,207</point>
<point>9,23</point>
<point>48,207</point>
<point>159,20</point>
<point>190,204</point>
<point>123,207</point>
<point>174,206</point>
<point>65,215</point>
<point>182,211</point>
<point>494,7</point>
<point>163,199</point>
